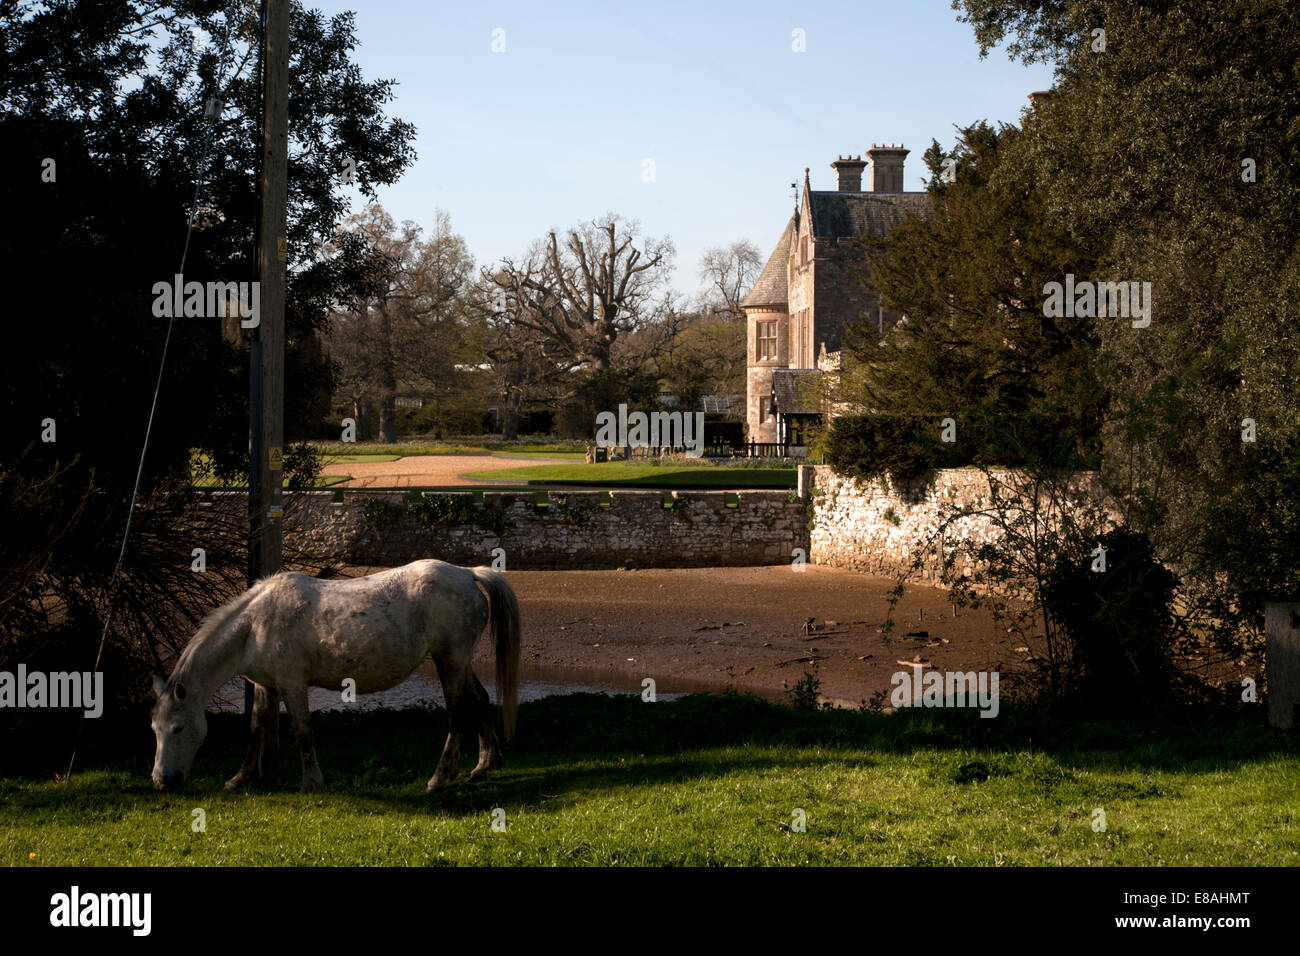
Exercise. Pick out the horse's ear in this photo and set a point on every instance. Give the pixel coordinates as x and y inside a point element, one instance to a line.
<point>159,686</point>
<point>179,691</point>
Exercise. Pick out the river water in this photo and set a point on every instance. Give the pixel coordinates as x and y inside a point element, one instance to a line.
<point>423,687</point>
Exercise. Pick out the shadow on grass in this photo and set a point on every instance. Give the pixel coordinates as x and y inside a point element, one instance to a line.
<point>572,743</point>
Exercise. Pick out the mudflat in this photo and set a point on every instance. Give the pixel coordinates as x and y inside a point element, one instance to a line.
<point>693,629</point>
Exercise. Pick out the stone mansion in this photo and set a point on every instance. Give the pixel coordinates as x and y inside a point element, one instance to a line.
<point>811,290</point>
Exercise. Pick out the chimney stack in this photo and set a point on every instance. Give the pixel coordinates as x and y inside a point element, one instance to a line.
<point>848,173</point>
<point>1039,96</point>
<point>886,168</point>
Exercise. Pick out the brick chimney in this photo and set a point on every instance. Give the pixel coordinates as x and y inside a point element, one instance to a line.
<point>1039,96</point>
<point>848,173</point>
<point>886,168</point>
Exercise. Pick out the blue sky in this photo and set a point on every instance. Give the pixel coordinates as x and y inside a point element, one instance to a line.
<point>558,127</point>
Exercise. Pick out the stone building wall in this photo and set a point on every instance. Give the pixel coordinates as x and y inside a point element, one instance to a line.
<point>574,530</point>
<point>841,294</point>
<point>758,386</point>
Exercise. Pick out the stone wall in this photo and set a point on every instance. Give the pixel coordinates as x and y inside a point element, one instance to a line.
<point>876,527</point>
<point>573,529</point>
<point>872,527</point>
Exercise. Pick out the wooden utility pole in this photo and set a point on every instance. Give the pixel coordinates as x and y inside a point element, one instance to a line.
<point>272,255</point>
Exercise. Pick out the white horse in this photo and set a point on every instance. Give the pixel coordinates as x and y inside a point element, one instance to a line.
<point>290,631</point>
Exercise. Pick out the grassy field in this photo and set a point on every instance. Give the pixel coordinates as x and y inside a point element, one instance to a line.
<point>571,455</point>
<point>487,446</point>
<point>201,475</point>
<point>368,457</point>
<point>600,780</point>
<point>669,474</point>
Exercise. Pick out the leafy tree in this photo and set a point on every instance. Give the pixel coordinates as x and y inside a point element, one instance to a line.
<point>1170,155</point>
<point>102,140</point>
<point>974,344</point>
<point>407,329</point>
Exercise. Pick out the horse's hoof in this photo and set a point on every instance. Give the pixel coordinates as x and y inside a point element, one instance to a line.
<point>479,773</point>
<point>312,784</point>
<point>237,783</point>
<point>438,783</point>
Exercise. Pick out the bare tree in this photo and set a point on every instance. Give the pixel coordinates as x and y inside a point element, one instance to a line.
<point>525,367</point>
<point>582,293</point>
<point>729,272</point>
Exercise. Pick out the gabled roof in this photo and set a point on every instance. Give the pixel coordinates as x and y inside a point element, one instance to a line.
<point>771,288</point>
<point>837,214</point>
<point>789,388</point>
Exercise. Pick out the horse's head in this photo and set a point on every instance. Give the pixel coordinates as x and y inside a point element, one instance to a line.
<point>179,724</point>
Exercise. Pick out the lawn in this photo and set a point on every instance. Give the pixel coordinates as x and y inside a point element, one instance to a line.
<point>572,455</point>
<point>670,474</point>
<point>415,446</point>
<point>209,483</point>
<point>600,780</point>
<point>201,475</point>
<point>338,458</point>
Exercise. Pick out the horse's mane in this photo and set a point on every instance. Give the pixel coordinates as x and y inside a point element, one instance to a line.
<point>211,624</point>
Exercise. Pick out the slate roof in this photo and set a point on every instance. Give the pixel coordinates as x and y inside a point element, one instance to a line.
<point>770,289</point>
<point>834,215</point>
<point>788,388</point>
<point>837,214</point>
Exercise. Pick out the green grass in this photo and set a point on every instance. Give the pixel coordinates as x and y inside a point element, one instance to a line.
<point>699,781</point>
<point>645,475</point>
<point>417,446</point>
<point>573,455</point>
<point>367,457</point>
<point>209,483</point>
<point>201,475</point>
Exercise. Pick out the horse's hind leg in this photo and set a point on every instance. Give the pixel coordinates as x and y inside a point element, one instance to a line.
<point>295,700</point>
<point>265,733</point>
<point>489,749</point>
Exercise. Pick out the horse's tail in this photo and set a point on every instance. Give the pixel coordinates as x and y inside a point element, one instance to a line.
<point>504,608</point>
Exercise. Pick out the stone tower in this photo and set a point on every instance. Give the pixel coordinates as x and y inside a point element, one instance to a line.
<point>810,295</point>
<point>767,337</point>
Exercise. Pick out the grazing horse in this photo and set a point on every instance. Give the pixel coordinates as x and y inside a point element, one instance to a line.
<point>290,631</point>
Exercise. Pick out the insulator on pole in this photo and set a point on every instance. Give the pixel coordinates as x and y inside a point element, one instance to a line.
<point>213,108</point>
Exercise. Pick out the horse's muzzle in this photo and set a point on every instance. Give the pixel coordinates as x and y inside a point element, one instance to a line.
<point>169,781</point>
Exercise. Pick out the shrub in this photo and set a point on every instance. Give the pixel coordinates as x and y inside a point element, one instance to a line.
<point>302,466</point>
<point>804,694</point>
<point>905,447</point>
<point>378,514</point>
<point>1119,622</point>
<point>901,446</point>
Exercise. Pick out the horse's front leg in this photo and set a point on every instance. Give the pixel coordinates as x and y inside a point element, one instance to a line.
<point>295,700</point>
<point>264,734</point>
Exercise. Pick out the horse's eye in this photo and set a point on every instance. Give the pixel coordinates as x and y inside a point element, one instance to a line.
<point>177,730</point>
